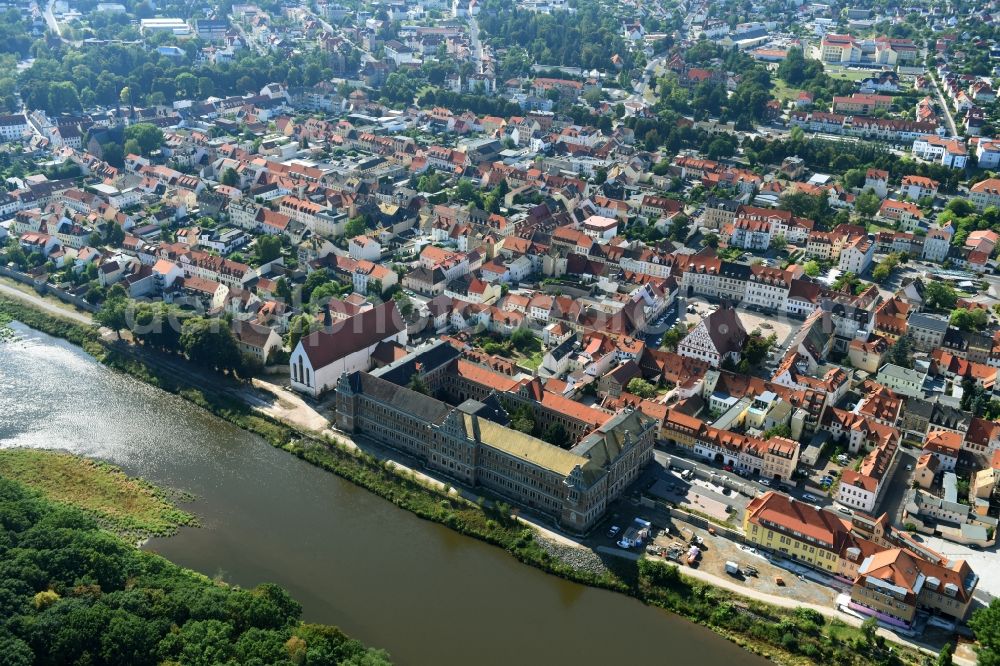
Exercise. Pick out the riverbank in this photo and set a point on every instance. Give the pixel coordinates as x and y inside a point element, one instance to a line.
<point>691,599</point>
<point>129,507</point>
<point>75,593</point>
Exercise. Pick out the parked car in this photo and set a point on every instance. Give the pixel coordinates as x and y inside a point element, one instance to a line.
<point>809,497</point>
<point>728,468</point>
<point>613,531</point>
<point>765,482</point>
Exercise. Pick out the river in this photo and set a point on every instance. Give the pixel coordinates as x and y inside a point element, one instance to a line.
<point>419,590</point>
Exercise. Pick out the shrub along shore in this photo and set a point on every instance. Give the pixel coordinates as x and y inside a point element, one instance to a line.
<point>73,593</point>
<point>782,635</point>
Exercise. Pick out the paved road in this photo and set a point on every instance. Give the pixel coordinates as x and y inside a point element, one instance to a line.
<point>50,19</point>
<point>48,306</point>
<point>476,43</point>
<point>944,107</point>
<point>664,457</point>
<point>787,602</point>
<point>53,25</point>
<point>892,502</point>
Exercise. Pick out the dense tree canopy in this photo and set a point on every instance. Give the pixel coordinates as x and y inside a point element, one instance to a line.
<point>985,622</point>
<point>147,137</point>
<point>940,295</point>
<point>210,343</point>
<point>65,78</point>
<point>71,593</point>
<point>587,37</point>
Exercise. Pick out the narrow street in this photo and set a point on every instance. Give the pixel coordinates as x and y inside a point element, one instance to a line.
<point>50,19</point>
<point>48,306</point>
<point>944,107</point>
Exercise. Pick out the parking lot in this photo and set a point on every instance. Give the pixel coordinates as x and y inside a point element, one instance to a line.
<point>780,325</point>
<point>700,496</point>
<point>716,551</point>
<point>829,469</point>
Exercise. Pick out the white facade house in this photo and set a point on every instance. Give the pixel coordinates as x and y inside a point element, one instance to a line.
<point>364,247</point>
<point>716,338</point>
<point>862,490</point>
<point>342,347</point>
<point>918,187</point>
<point>951,153</point>
<point>877,181</point>
<point>768,288</point>
<point>13,127</point>
<point>857,255</point>
<point>165,273</point>
<point>860,495</point>
<point>988,154</point>
<point>937,244</point>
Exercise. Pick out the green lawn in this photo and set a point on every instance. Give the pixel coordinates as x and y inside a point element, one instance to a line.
<point>850,75</point>
<point>783,91</point>
<point>875,228</point>
<point>532,362</point>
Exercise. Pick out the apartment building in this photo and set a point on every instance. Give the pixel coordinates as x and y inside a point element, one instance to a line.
<point>847,49</point>
<point>821,539</point>
<point>985,193</point>
<point>774,458</point>
<point>892,576</point>
<point>937,243</point>
<point>918,187</point>
<point>893,584</point>
<point>719,212</point>
<point>13,127</point>
<point>877,180</point>
<point>857,255</point>
<point>768,287</point>
<point>988,153</point>
<point>951,153</point>
<point>907,214</point>
<point>926,331</point>
<point>861,490</point>
<point>863,104</point>
<point>904,381</point>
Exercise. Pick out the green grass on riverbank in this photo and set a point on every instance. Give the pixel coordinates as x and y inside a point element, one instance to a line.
<point>86,337</point>
<point>789,637</point>
<point>131,508</point>
<point>72,593</point>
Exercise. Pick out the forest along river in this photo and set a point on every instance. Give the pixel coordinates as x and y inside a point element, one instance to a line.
<point>426,594</point>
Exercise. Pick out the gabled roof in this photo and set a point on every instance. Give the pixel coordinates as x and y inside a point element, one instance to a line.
<point>353,334</point>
